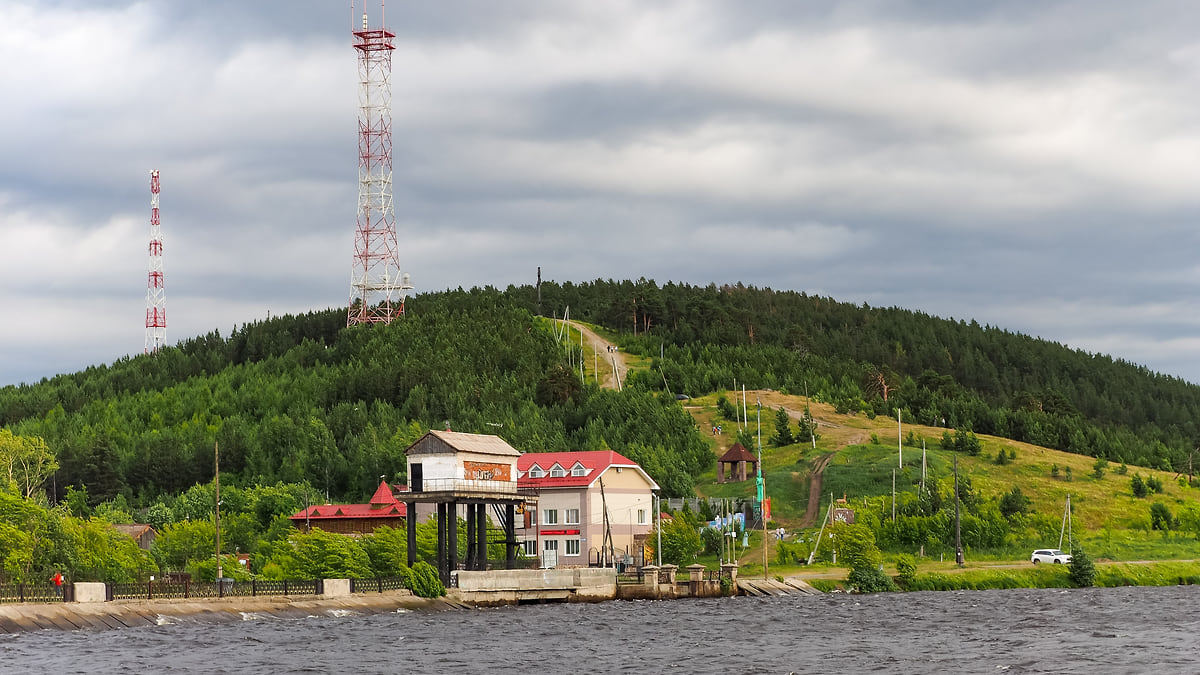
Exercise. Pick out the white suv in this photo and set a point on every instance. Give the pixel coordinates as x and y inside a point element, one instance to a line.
<point>1050,555</point>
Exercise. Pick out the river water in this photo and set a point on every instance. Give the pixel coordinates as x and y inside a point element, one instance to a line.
<point>1121,630</point>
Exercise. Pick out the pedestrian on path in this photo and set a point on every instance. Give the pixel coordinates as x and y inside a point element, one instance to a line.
<point>58,583</point>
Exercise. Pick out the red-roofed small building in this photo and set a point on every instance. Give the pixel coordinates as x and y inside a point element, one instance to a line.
<point>568,526</point>
<point>383,509</point>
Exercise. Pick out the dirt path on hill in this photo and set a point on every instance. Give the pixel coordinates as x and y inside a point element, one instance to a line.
<point>811,512</point>
<point>612,366</point>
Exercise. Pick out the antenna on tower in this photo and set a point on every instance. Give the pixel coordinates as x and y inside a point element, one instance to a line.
<point>377,286</point>
<point>156,299</point>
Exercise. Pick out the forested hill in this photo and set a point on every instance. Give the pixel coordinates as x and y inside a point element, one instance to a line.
<point>306,399</point>
<point>977,377</point>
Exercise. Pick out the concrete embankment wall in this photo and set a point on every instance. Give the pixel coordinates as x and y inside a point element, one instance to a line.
<point>18,618</point>
<point>511,587</point>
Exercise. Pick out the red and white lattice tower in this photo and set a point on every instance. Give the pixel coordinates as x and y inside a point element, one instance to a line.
<point>156,298</point>
<point>377,287</point>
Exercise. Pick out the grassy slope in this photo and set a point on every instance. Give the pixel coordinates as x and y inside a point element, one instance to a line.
<point>1104,508</point>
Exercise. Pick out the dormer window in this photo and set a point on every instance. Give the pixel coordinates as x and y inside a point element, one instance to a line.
<point>578,470</point>
<point>535,471</point>
<point>557,471</point>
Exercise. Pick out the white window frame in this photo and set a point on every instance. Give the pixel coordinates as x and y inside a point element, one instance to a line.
<point>572,544</point>
<point>535,471</point>
<point>567,516</point>
<point>529,547</point>
<point>578,470</point>
<point>557,471</point>
<point>550,545</point>
<point>642,517</point>
<point>550,516</point>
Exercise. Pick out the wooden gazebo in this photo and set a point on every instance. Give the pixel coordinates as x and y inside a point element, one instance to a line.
<point>741,464</point>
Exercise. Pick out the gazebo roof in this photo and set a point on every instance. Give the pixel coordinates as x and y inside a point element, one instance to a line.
<point>737,454</point>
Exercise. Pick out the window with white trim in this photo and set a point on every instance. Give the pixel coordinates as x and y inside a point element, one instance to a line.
<point>529,547</point>
<point>550,545</point>
<point>572,547</point>
<point>571,516</point>
<point>578,470</point>
<point>641,516</point>
<point>550,517</point>
<point>535,471</point>
<point>557,471</point>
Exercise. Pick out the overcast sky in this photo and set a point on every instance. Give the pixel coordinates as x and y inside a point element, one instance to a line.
<point>1028,164</point>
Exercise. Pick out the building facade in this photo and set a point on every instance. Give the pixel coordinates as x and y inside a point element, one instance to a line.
<point>594,508</point>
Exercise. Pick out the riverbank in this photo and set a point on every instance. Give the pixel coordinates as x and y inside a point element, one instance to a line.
<point>27,617</point>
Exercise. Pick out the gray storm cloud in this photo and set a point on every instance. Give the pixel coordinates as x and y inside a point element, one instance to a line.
<point>1027,165</point>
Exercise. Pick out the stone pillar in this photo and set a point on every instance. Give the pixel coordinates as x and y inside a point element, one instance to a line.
<point>452,536</point>
<point>470,517</point>
<point>650,578</point>
<point>481,552</point>
<point>336,588</point>
<point>730,570</point>
<point>90,591</point>
<point>670,570</point>
<point>695,572</point>
<point>720,472</point>
<point>443,570</point>
<point>410,520</point>
<point>510,536</point>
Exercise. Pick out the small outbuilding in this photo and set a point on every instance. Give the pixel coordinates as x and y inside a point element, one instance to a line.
<point>383,509</point>
<point>741,464</point>
<point>144,535</point>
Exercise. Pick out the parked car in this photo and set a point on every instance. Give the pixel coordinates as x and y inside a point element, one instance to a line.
<point>1050,555</point>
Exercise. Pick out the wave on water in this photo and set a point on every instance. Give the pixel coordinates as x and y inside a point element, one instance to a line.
<point>164,620</point>
<point>341,613</point>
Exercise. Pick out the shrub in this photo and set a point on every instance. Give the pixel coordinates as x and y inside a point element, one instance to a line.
<point>1013,502</point>
<point>1099,467</point>
<point>425,582</point>
<point>1069,476</point>
<point>1123,469</point>
<point>874,439</point>
<point>1160,517</point>
<point>1154,484</point>
<point>870,580</point>
<point>1054,471</point>
<point>1001,457</point>
<point>906,569</point>
<point>1138,486</point>
<point>1083,572</point>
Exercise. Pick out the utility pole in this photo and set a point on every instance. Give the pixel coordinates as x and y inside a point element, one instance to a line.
<point>899,440</point>
<point>958,552</point>
<point>762,503</point>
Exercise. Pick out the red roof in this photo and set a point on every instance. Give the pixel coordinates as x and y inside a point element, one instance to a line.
<point>594,463</point>
<point>382,505</point>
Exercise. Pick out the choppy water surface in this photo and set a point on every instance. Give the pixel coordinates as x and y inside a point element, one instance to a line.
<point>1124,630</point>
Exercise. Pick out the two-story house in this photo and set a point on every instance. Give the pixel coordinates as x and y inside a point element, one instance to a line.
<point>582,497</point>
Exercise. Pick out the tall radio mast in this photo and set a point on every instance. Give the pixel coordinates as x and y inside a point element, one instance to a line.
<point>156,298</point>
<point>377,287</point>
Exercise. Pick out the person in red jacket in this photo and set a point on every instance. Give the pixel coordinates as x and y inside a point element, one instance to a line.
<point>58,582</point>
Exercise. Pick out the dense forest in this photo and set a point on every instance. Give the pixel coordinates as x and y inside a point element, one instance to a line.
<point>304,399</point>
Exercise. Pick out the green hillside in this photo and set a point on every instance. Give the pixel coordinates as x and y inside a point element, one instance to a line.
<point>304,401</point>
<point>859,455</point>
